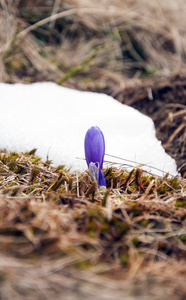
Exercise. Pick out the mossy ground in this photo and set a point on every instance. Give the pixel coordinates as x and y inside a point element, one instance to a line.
<point>50,215</point>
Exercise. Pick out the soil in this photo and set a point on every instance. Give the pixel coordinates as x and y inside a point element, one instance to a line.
<point>164,100</point>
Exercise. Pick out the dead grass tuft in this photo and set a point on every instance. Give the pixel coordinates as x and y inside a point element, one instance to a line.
<point>131,231</point>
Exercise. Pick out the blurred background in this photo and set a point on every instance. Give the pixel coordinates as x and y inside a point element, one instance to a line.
<point>95,43</point>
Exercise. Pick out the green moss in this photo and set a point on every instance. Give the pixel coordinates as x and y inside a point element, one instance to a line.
<point>35,160</point>
<point>31,152</point>
<point>166,185</point>
<point>16,64</point>
<point>109,172</point>
<point>175,183</point>
<point>9,158</point>
<point>61,167</point>
<point>83,264</point>
<point>43,178</point>
<point>91,226</point>
<point>163,189</point>
<point>94,211</point>
<point>182,237</point>
<point>105,227</point>
<point>135,241</point>
<point>144,223</point>
<point>124,258</point>
<point>181,202</point>
<point>17,168</point>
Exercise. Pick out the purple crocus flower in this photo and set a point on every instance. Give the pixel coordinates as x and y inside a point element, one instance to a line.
<point>94,154</point>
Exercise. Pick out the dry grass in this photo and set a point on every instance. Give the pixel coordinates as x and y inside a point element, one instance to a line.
<point>60,237</point>
<point>68,237</point>
<point>47,40</point>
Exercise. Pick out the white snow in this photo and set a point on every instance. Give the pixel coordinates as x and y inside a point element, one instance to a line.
<point>54,120</point>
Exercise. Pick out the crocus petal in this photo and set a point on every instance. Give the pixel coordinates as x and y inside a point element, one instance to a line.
<point>94,146</point>
<point>101,181</point>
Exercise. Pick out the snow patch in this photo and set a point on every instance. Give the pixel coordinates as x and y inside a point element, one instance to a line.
<point>54,119</point>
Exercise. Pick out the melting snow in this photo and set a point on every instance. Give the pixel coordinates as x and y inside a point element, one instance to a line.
<point>54,120</point>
